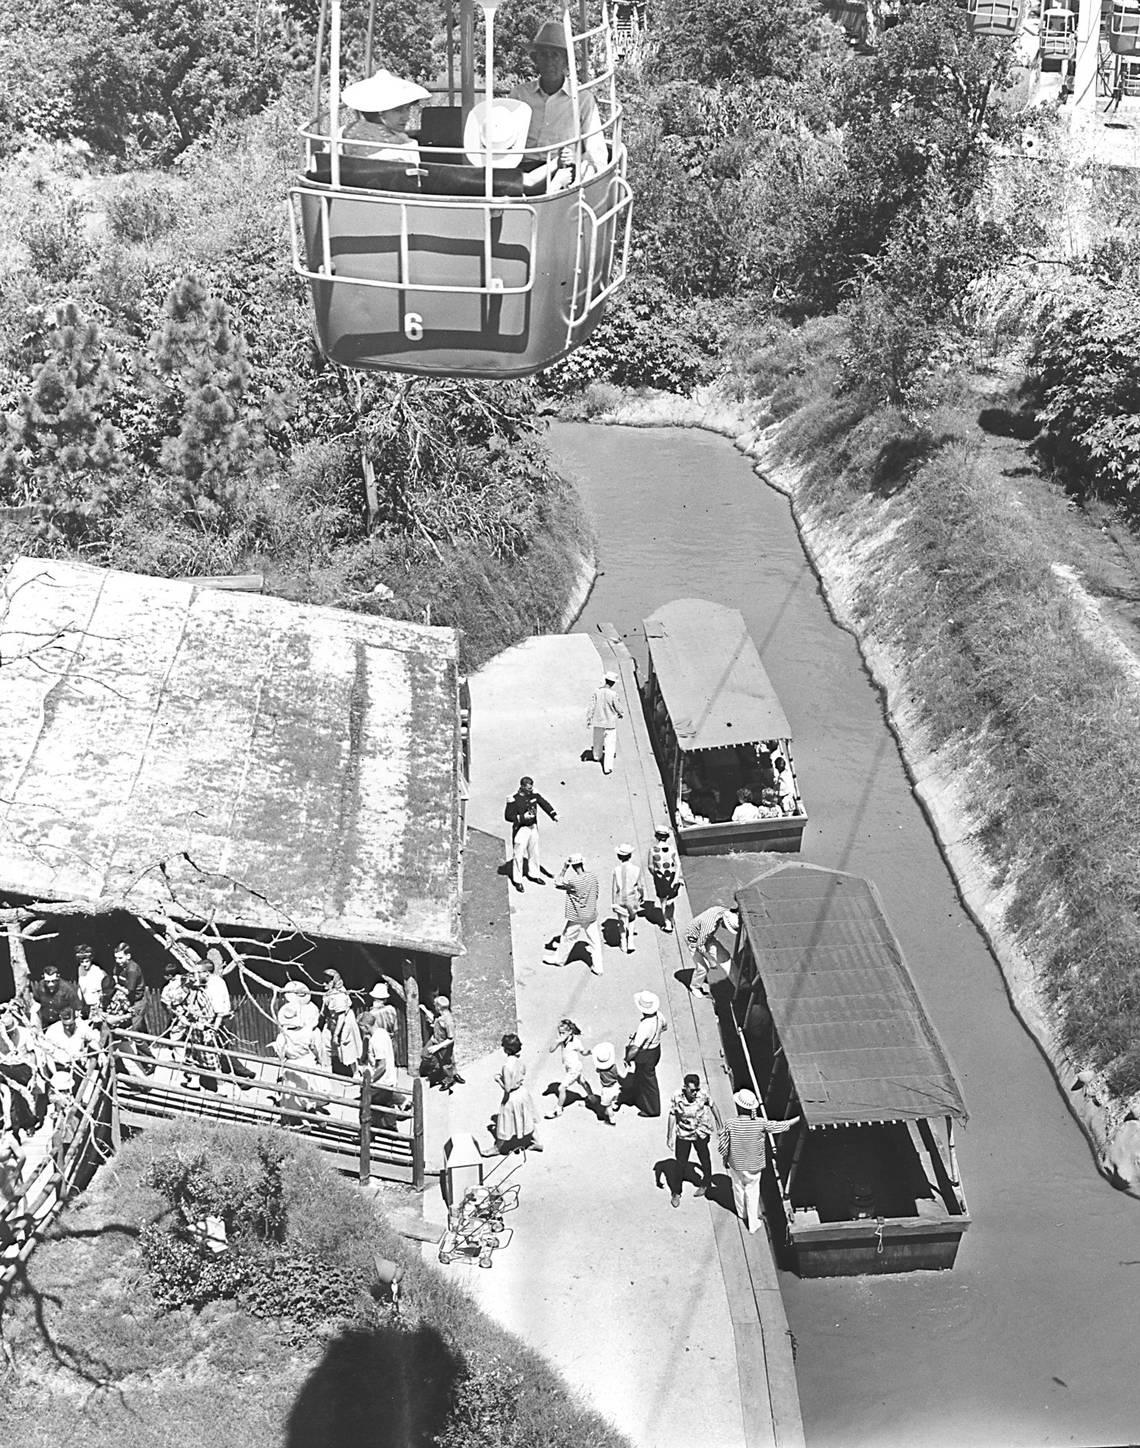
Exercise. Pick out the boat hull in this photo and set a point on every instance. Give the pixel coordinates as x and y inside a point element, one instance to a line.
<point>783,836</point>
<point>894,1244</point>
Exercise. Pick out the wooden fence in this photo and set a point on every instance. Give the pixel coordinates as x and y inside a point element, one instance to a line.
<point>369,1132</point>
<point>81,1142</point>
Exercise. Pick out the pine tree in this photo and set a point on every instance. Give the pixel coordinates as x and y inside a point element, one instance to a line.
<point>58,451</point>
<point>219,448</point>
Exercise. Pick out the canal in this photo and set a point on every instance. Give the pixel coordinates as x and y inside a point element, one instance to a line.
<point>1031,1339</point>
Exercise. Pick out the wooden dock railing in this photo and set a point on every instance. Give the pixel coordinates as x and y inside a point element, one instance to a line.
<point>368,1131</point>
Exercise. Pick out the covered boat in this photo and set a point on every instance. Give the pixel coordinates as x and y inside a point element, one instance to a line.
<point>722,740</point>
<point>833,1031</point>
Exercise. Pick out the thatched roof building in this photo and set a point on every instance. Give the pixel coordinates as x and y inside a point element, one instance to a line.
<point>227,756</point>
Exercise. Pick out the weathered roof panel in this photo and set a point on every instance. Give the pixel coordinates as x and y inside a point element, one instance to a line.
<point>711,677</point>
<point>859,1045</point>
<point>210,752</point>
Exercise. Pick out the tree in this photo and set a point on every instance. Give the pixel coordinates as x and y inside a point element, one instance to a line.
<point>58,451</point>
<point>737,41</point>
<point>218,450</point>
<point>161,75</point>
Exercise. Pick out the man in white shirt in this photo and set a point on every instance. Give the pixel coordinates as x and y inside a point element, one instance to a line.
<point>71,1041</point>
<point>552,118</point>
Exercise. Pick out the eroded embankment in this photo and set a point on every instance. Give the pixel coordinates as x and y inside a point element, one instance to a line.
<point>963,738</point>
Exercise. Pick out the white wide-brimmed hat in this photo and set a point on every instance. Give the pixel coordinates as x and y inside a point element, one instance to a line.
<point>623,852</point>
<point>503,127</point>
<point>746,1100</point>
<point>575,859</point>
<point>603,1054</point>
<point>646,1002</point>
<point>382,92</point>
<point>299,989</point>
<point>290,1016</point>
<point>379,991</point>
<point>610,676</point>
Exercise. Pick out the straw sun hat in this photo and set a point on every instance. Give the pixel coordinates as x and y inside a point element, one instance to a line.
<point>646,1002</point>
<point>502,129</point>
<point>382,92</point>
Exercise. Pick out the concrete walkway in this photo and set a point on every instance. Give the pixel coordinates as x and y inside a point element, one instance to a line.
<point>667,1321</point>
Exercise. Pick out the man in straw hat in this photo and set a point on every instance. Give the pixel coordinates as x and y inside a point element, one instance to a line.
<point>384,102</point>
<point>553,123</point>
<point>642,1052</point>
<point>744,1147</point>
<point>581,887</point>
<point>602,716</point>
<point>627,894</point>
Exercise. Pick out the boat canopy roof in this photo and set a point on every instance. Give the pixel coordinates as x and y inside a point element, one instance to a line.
<point>710,676</point>
<point>858,1043</point>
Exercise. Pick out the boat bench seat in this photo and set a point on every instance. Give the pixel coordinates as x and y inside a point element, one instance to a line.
<point>432,178</point>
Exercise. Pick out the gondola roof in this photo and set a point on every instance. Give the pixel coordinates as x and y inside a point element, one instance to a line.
<point>858,1043</point>
<point>710,676</point>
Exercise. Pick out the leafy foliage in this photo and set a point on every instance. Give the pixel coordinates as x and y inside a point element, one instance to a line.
<point>646,339</point>
<point>737,41</point>
<point>1087,364</point>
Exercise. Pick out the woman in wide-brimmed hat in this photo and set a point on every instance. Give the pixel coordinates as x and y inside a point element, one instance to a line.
<point>384,102</point>
<point>643,1052</point>
<point>298,1045</point>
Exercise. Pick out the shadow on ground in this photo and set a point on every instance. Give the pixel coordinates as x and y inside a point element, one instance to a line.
<point>388,1388</point>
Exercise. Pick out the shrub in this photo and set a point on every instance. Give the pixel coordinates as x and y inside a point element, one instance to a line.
<point>53,232</point>
<point>142,211</point>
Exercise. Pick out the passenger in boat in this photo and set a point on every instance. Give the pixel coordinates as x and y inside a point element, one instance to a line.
<point>691,1125</point>
<point>627,894</point>
<point>686,814</point>
<point>665,872</point>
<point>552,118</point>
<point>603,716</point>
<point>744,1147</point>
<point>785,785</point>
<point>746,809</point>
<point>384,105</point>
<point>765,775</point>
<point>702,942</point>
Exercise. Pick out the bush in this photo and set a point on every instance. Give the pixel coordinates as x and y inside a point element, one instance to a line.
<point>646,339</point>
<point>142,211</point>
<point>54,235</point>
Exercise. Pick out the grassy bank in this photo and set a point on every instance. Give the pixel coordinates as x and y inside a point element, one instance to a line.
<point>97,1360</point>
<point>962,576</point>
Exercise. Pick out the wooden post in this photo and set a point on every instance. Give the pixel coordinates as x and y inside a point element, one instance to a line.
<point>18,958</point>
<point>365,1128</point>
<point>417,1133</point>
<point>414,1029</point>
<point>116,1120</point>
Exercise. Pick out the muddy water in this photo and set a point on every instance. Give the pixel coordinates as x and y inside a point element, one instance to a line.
<point>1032,1338</point>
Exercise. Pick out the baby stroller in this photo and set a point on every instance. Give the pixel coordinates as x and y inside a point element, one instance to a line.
<point>475,1227</point>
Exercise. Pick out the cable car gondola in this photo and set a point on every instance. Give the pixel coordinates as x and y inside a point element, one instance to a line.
<point>1124,27</point>
<point>999,18</point>
<point>459,261</point>
<point>1058,33</point>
